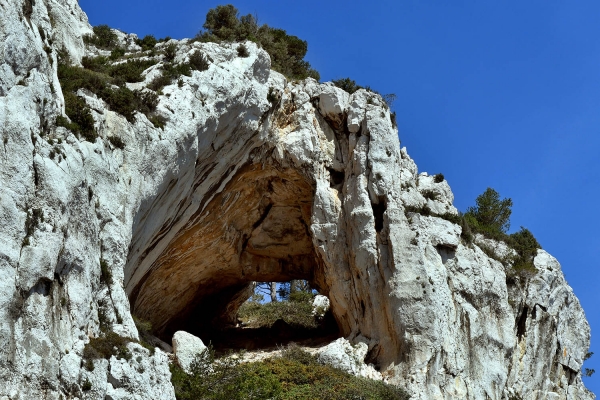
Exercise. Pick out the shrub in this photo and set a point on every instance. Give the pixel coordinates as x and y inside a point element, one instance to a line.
<point>107,346</point>
<point>393,119</point>
<point>347,84</point>
<point>131,71</point>
<point>242,51</point>
<point>438,178</point>
<point>287,51</point>
<point>97,64</point>
<point>144,327</point>
<point>89,365</point>
<point>424,210</point>
<point>147,43</point>
<point>198,61</point>
<point>170,73</point>
<point>158,121</point>
<point>105,273</point>
<point>466,234</point>
<point>430,194</point>
<point>170,52</point>
<point>526,246</point>
<point>296,374</point>
<point>117,142</point>
<point>117,53</point>
<point>455,219</point>
<point>145,332</point>
<point>122,101</point>
<point>147,101</point>
<point>491,218</point>
<point>98,78</point>
<point>103,38</point>
<point>86,386</point>
<point>159,82</point>
<point>27,9</point>
<point>389,99</point>
<point>80,115</point>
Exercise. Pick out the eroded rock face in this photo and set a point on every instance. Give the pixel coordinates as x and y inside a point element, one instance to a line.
<point>236,189</point>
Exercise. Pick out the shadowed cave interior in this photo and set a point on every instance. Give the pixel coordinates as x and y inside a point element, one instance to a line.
<point>255,230</point>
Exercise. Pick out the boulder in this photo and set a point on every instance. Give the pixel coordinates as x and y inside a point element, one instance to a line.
<point>186,348</point>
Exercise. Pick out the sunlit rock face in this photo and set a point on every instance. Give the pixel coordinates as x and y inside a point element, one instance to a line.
<point>309,185</point>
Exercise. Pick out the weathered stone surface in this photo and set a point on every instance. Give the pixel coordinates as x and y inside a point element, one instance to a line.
<point>349,358</point>
<point>186,347</point>
<point>235,190</point>
<point>321,305</point>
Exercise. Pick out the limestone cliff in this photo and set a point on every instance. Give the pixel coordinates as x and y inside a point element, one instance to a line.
<point>252,178</point>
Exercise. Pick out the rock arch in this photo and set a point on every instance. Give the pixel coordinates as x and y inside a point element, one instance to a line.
<point>256,229</point>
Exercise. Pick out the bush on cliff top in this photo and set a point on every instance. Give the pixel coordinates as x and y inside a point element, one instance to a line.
<point>223,24</point>
<point>103,38</point>
<point>491,217</point>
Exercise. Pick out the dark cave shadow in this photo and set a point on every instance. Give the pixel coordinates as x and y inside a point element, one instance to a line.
<point>279,334</point>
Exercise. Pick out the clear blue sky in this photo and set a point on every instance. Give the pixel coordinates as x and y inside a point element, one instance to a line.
<point>500,94</point>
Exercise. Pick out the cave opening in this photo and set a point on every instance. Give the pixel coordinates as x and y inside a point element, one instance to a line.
<point>256,229</point>
<point>295,313</point>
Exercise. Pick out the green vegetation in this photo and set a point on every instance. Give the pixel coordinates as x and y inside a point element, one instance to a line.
<point>105,274</point>
<point>117,53</point>
<point>117,142</point>
<point>87,385</point>
<point>242,51</point>
<point>27,9</point>
<point>287,52</point>
<point>296,310</point>
<point>106,346</point>
<point>491,218</point>
<point>103,38</point>
<point>430,194</point>
<point>107,81</point>
<point>347,84</point>
<point>170,72</point>
<point>129,71</point>
<point>170,52</point>
<point>296,375</point>
<point>147,43</point>
<point>198,61</point>
<point>350,86</point>
<point>490,215</point>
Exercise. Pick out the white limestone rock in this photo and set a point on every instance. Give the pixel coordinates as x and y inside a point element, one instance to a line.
<point>320,305</point>
<point>186,347</point>
<point>349,358</point>
<point>169,214</point>
<point>333,103</point>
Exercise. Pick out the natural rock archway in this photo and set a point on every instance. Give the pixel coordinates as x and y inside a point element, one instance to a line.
<point>256,229</point>
<point>252,177</point>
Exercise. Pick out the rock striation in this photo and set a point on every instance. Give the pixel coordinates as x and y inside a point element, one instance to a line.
<point>253,178</point>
